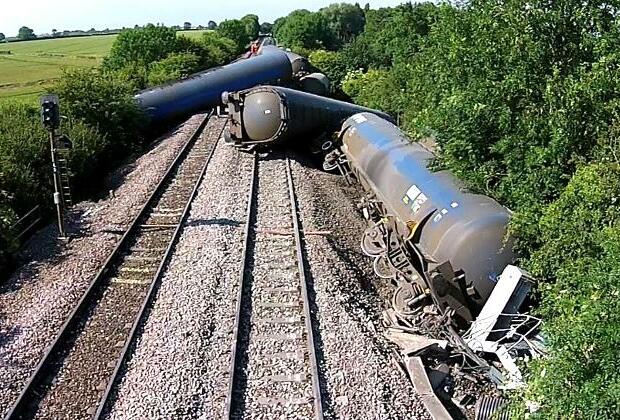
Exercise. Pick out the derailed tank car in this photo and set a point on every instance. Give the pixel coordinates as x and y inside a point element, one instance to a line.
<point>268,115</point>
<point>204,90</point>
<point>430,236</point>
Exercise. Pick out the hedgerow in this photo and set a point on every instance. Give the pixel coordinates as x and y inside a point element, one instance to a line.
<point>103,120</point>
<point>523,99</point>
<point>25,174</point>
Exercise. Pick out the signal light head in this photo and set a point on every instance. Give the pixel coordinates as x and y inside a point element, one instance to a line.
<point>50,112</point>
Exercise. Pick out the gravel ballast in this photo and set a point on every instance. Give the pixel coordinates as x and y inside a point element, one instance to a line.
<point>181,361</point>
<point>36,299</point>
<point>180,366</point>
<point>362,378</point>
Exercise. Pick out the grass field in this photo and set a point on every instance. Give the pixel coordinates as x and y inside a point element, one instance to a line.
<point>32,66</point>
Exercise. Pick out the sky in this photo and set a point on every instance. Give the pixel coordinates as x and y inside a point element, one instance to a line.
<point>44,15</point>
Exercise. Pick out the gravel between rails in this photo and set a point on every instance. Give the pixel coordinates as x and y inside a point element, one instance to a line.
<point>179,367</point>
<point>35,301</point>
<point>362,379</point>
<point>267,374</point>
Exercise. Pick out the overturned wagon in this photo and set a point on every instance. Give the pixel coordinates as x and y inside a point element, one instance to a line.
<point>203,90</point>
<point>268,115</point>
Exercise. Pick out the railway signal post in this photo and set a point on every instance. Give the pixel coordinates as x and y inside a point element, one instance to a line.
<point>59,146</point>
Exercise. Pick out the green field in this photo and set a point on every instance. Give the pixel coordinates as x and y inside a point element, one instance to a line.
<point>32,66</point>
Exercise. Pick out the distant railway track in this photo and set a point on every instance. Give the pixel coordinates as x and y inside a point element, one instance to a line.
<point>76,375</point>
<point>274,370</point>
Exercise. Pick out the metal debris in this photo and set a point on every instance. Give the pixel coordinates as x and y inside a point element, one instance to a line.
<point>412,344</point>
<point>435,353</point>
<point>423,387</point>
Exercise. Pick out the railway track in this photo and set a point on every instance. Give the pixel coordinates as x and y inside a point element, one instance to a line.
<point>274,371</point>
<point>77,373</point>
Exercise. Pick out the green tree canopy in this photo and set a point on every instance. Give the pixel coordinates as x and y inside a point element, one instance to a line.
<point>174,67</point>
<point>252,27</point>
<point>303,29</point>
<point>25,33</point>
<point>2,37</point>
<point>344,20</point>
<point>266,28</point>
<point>142,46</point>
<point>235,30</point>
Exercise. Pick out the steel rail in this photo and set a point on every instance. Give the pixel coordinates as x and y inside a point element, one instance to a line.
<point>310,343</point>
<point>242,283</point>
<point>156,279</point>
<point>28,393</point>
<point>314,367</point>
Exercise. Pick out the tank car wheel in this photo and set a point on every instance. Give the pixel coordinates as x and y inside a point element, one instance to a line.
<point>403,296</point>
<point>372,243</point>
<point>383,268</point>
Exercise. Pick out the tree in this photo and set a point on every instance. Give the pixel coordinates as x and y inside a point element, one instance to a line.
<point>25,33</point>
<point>187,26</point>
<point>54,33</point>
<point>266,28</point>
<point>2,37</point>
<point>218,49</point>
<point>234,29</point>
<point>303,29</point>
<point>212,25</point>
<point>344,20</point>
<point>252,27</point>
<point>142,46</point>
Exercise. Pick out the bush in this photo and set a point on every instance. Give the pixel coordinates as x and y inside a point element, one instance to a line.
<point>104,101</point>
<point>369,89</point>
<point>524,102</point>
<point>219,50</point>
<point>24,157</point>
<point>8,244</point>
<point>581,250</point>
<point>173,67</point>
<point>142,47</point>
<point>331,64</point>
<point>26,177</point>
<point>569,228</point>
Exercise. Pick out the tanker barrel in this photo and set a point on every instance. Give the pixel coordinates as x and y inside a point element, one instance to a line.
<point>470,231</point>
<point>268,114</point>
<point>203,90</point>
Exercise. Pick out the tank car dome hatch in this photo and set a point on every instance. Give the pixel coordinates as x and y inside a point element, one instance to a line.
<point>261,115</point>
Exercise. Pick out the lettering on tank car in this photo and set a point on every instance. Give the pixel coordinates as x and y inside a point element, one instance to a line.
<point>440,215</point>
<point>415,197</point>
<point>417,204</point>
